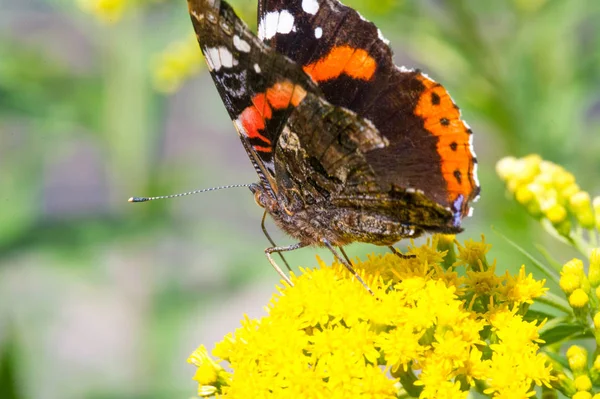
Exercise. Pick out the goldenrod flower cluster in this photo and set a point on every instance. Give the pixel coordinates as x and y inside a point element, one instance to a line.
<point>438,325</point>
<point>582,290</point>
<point>583,377</point>
<point>549,192</point>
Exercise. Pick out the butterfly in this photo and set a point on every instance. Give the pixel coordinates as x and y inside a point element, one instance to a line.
<point>348,147</point>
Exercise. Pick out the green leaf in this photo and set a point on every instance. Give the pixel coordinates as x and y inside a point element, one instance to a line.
<point>560,329</point>
<point>537,315</point>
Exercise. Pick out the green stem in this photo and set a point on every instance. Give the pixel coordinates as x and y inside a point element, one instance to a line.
<point>580,243</point>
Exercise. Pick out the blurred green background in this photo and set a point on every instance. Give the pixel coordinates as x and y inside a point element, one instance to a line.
<point>104,99</point>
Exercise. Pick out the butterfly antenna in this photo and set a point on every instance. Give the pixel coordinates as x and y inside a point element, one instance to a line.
<point>145,199</point>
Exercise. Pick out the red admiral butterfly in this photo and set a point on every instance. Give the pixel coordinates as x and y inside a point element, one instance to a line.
<point>348,146</point>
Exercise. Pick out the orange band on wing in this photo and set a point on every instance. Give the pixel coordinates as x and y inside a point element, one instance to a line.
<point>442,119</point>
<point>254,117</point>
<point>354,62</point>
<point>283,94</point>
<point>253,121</point>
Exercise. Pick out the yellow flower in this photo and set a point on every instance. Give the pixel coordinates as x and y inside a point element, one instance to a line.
<point>581,205</point>
<point>596,320</point>
<point>326,336</point>
<point>472,253</point>
<point>547,190</point>
<point>577,358</point>
<point>523,288</point>
<point>483,283</point>
<point>571,276</point>
<point>437,383</point>
<point>209,374</point>
<point>578,299</point>
<point>506,168</point>
<point>582,395</point>
<point>475,368</point>
<point>583,383</point>
<point>555,213</point>
<point>596,364</point>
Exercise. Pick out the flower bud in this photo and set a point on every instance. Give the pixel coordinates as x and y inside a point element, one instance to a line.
<point>583,383</point>
<point>578,299</point>
<point>596,365</point>
<point>563,179</point>
<point>581,206</point>
<point>569,283</point>
<point>571,276</point>
<point>556,214</point>
<point>582,395</point>
<point>570,190</point>
<point>506,168</point>
<point>597,321</point>
<point>594,271</point>
<point>524,195</point>
<point>577,358</point>
<point>574,266</point>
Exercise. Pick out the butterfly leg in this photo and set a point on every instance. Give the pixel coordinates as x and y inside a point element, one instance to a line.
<point>266,233</point>
<point>345,263</point>
<point>401,255</point>
<point>271,250</point>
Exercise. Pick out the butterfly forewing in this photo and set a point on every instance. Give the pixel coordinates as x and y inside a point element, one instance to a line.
<point>430,147</point>
<point>258,86</point>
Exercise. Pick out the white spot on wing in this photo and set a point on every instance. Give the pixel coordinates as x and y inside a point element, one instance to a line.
<point>361,17</point>
<point>267,27</point>
<point>219,57</point>
<point>197,15</point>
<point>310,6</point>
<point>404,69</point>
<point>286,22</point>
<point>383,39</point>
<point>239,127</point>
<point>227,60</point>
<point>318,32</point>
<point>257,68</point>
<point>241,44</point>
<point>428,78</point>
<point>212,58</point>
<point>275,22</point>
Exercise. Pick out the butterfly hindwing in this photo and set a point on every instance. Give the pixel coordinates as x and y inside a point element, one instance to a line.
<point>430,147</point>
